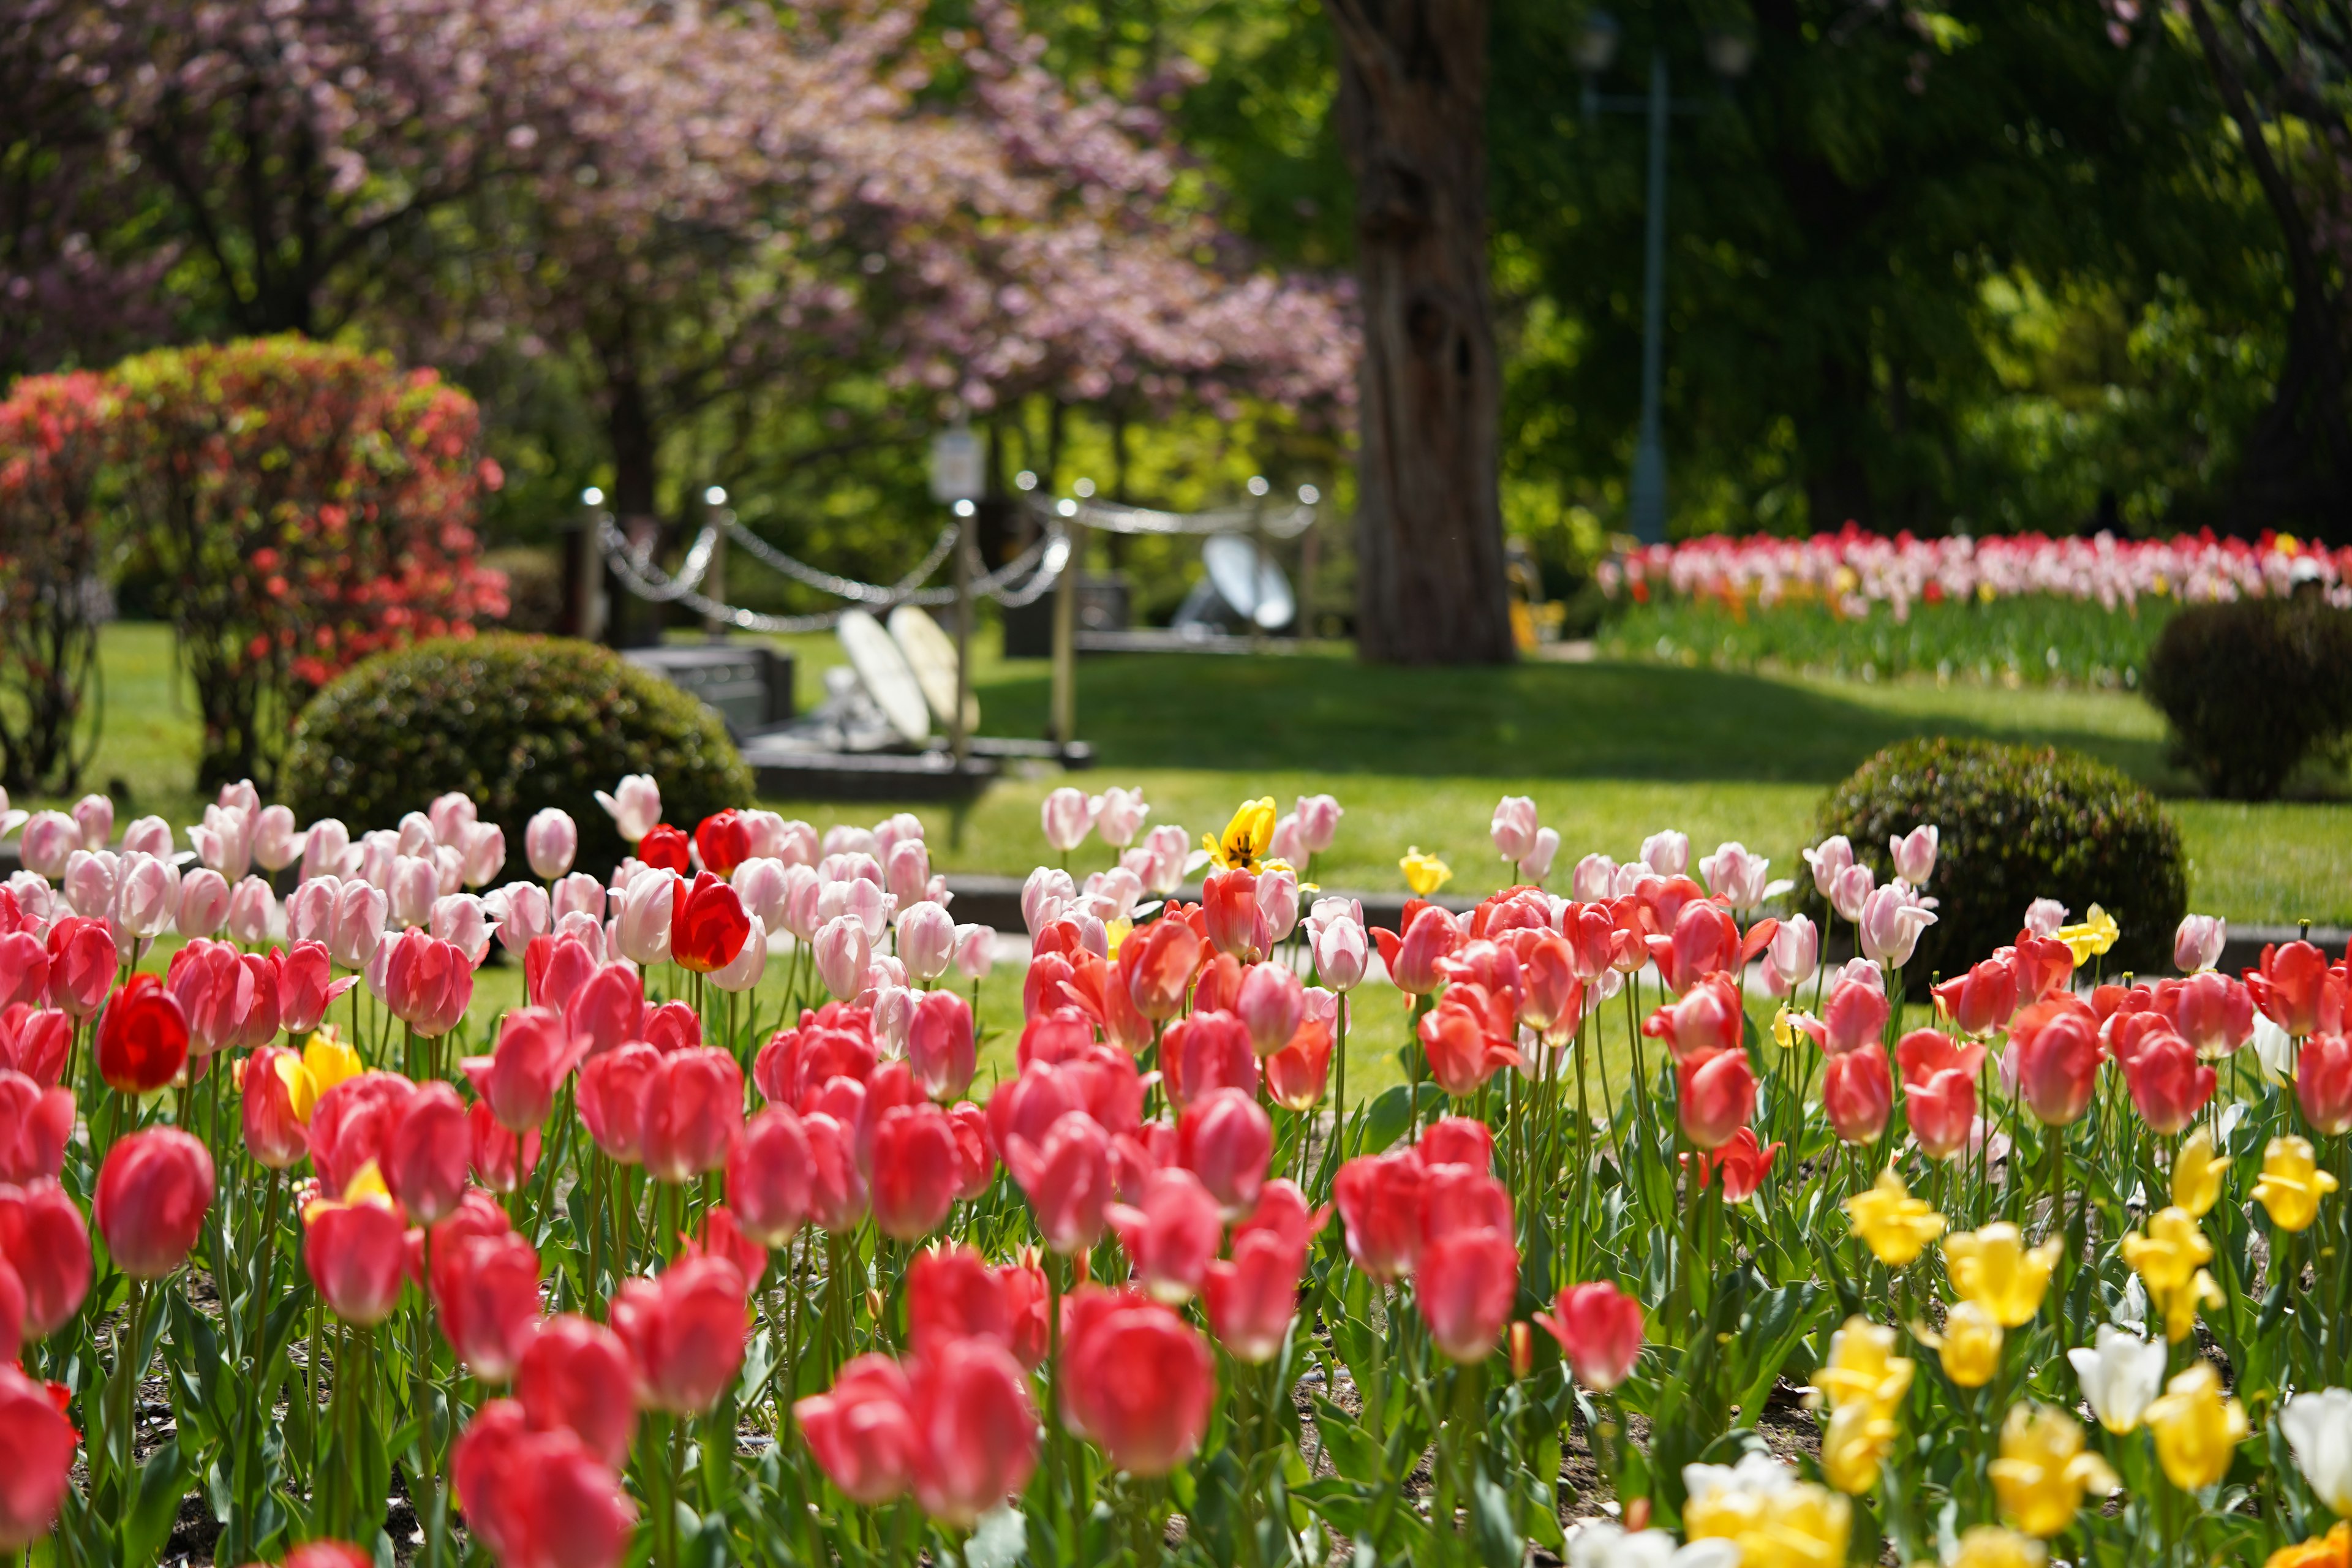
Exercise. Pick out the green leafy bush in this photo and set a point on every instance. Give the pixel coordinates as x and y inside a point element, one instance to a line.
<point>2018,822</point>
<point>2253,687</point>
<point>518,723</point>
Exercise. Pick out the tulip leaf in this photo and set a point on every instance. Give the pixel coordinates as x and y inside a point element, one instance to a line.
<point>162,1481</point>
<point>1390,1114</point>
<point>1353,1453</point>
<point>1337,1502</point>
<point>1497,1535</point>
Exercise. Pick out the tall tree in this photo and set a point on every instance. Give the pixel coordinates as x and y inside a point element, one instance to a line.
<point>1429,539</point>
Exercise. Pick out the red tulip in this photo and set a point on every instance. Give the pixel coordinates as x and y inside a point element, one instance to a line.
<point>1205,1052</point>
<point>1172,1234</point>
<point>554,968</point>
<point>861,1432</point>
<point>723,841</point>
<point>1858,1092</point>
<point>1551,994</point>
<point>672,1027</point>
<point>519,1078</point>
<point>1703,940</point>
<point>2322,1083</point>
<point>1706,1018</point>
<point>1135,1381</point>
<point>952,1294</point>
<point>2168,1083</point>
<point>768,1172</point>
<point>1598,1328</point>
<point>538,1500</point>
<point>1295,1075</point>
<point>35,1042</point>
<point>2213,1013</point>
<point>1252,1299</point>
<point>1715,1094</point>
<point>426,1153</point>
<point>2053,1057</point>
<point>1224,1138</point>
<point>1465,1287</point>
<point>1981,1000</point>
<point>612,1095</point>
<point>1067,1179</point>
<point>427,982</point>
<point>502,1160</point>
<point>350,1123</point>
<point>2296,990</point>
<point>976,1161</point>
<point>42,1238</point>
<point>82,964</point>
<point>1219,987</point>
<point>357,1252</point>
<point>1164,956</point>
<point>23,969</point>
<point>975,1430</point>
<point>486,1290</point>
<point>940,1044</point>
<point>722,1236</point>
<point>306,985</point>
<point>1923,1053</point>
<point>2043,965</point>
<point>575,1377</point>
<point>1229,908</point>
<point>1430,934</point>
<point>142,1037</point>
<point>1466,1038</point>
<point>693,1107</point>
<point>708,925</point>
<point>836,1181</point>
<point>36,1124</point>
<point>228,998</point>
<point>1052,1033</point>
<point>1740,1163</point>
<point>1457,1141</point>
<point>665,848</point>
<point>328,1554</point>
<point>684,1331</point>
<point>1457,1199</point>
<point>150,1200</point>
<point>607,1008</point>
<point>916,1171</point>
<point>1942,1110</point>
<point>36,1455</point>
<point>1380,1199</point>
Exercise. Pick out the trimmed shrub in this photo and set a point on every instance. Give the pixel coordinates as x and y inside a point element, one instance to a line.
<point>518,723</point>
<point>2253,688</point>
<point>54,433</point>
<point>2018,822</point>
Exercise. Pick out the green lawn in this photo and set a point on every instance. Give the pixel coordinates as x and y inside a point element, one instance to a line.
<point>1611,752</point>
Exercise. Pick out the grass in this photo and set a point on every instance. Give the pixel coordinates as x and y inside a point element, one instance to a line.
<point>1610,750</point>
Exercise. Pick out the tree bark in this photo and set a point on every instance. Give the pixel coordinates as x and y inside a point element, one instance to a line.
<point>1412,87</point>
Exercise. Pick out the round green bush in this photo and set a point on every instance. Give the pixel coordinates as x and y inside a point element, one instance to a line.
<point>2254,687</point>
<point>518,722</point>
<point>2018,822</point>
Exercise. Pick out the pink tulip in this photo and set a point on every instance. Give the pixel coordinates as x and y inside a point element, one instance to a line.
<point>82,964</point>
<point>539,1498</point>
<point>1252,1299</point>
<point>1067,817</point>
<point>940,1045</point>
<point>1067,1179</point>
<point>550,841</point>
<point>275,843</point>
<point>49,837</point>
<point>427,982</point>
<point>1464,1286</point>
<point>1271,1006</point>
<point>2199,941</point>
<point>574,1377</point>
<point>1828,859</point>
<point>204,904</point>
<point>502,1159</point>
<point>1717,1095</point>
<point>1135,1381</point>
<point>1598,1328</point>
<point>361,914</point>
<point>36,1124</point>
<point>1172,1234</point>
<point>36,1455</point>
<point>43,1239</point>
<point>684,1332</point>
<point>926,940</point>
<point>1737,876</point>
<point>152,1195</point>
<point>1858,1092</point>
<point>23,970</point>
<point>427,1152</point>
<point>534,1052</point>
<point>916,1170</point>
<point>1915,855</point>
<point>1514,826</point>
<point>2054,1058</point>
<point>1891,919</point>
<point>35,1042</point>
<point>693,1107</point>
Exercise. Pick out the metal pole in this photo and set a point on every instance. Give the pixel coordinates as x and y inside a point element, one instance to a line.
<point>1648,500</point>
<point>714,577</point>
<point>960,743</point>
<point>1065,638</point>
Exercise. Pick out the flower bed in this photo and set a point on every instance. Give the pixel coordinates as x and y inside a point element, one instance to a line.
<point>2016,609</point>
<point>714,1251</point>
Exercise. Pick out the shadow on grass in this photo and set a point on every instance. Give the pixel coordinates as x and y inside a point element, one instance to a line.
<point>1623,720</point>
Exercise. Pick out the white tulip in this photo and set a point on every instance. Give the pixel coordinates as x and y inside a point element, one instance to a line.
<point>2120,1373</point>
<point>2319,1427</point>
<point>1604,1544</point>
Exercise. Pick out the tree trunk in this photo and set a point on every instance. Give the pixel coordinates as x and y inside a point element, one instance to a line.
<point>628,421</point>
<point>1412,87</point>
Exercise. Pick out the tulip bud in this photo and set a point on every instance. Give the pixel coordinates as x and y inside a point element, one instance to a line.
<point>927,936</point>
<point>152,1195</point>
<point>684,1332</point>
<point>204,903</point>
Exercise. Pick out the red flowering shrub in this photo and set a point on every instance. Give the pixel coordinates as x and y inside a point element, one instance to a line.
<point>305,505</point>
<point>53,438</point>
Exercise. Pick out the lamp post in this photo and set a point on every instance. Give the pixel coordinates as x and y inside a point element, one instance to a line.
<point>958,477</point>
<point>1728,54</point>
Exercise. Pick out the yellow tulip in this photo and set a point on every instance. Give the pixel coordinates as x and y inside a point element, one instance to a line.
<point>366,1186</point>
<point>2333,1550</point>
<point>2181,1307</point>
<point>1424,874</point>
<point>1795,1526</point>
<point>1995,1269</point>
<point>1863,1369</point>
<point>1786,1033</point>
<point>2197,1429</point>
<point>1894,1225</point>
<point>1990,1546</point>
<point>2197,1175</point>
<point>2043,1469</point>
<point>328,1060</point>
<point>2169,1252</point>
<point>1246,836</point>
<point>2093,935</point>
<point>2293,1183</point>
<point>1859,1439</point>
<point>1969,1346</point>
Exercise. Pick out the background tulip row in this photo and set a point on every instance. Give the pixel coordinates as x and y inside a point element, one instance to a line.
<point>640,1274</point>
